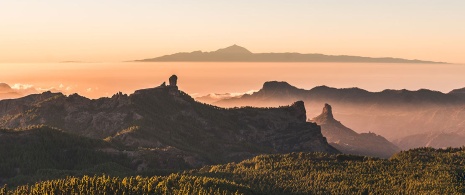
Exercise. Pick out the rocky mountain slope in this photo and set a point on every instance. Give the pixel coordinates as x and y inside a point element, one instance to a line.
<point>350,142</point>
<point>164,127</point>
<point>393,114</point>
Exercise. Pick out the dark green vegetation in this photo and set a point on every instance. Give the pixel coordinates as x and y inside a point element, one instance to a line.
<point>44,153</point>
<point>419,171</point>
<point>236,53</point>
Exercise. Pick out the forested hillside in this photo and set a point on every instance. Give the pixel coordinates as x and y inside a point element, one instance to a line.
<point>42,152</point>
<point>419,171</point>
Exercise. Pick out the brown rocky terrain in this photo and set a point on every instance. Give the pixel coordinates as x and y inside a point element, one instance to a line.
<point>163,127</point>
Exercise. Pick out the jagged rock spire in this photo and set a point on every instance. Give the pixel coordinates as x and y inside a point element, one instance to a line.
<point>326,115</point>
<point>173,80</point>
<point>328,111</point>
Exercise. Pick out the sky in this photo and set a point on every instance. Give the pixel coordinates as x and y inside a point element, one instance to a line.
<point>50,31</point>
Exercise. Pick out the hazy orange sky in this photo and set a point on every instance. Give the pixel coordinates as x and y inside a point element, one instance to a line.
<point>120,30</point>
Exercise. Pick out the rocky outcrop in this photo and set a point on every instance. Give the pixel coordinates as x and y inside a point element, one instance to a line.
<point>348,141</point>
<point>326,116</point>
<point>165,119</point>
<point>173,81</point>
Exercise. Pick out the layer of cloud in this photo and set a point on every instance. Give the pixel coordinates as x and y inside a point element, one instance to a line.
<point>213,97</point>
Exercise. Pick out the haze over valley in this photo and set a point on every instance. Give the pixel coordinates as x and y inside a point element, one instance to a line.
<point>225,97</point>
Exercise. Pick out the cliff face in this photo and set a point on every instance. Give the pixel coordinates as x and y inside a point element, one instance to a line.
<point>348,141</point>
<point>167,122</point>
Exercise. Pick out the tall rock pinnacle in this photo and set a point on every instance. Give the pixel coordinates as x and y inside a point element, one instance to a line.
<point>173,80</point>
<point>326,115</point>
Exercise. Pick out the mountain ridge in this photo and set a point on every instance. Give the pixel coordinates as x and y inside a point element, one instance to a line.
<point>237,53</point>
<point>169,122</point>
<point>393,114</point>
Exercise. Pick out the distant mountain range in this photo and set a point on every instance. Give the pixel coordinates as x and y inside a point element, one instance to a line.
<point>394,114</point>
<point>237,53</point>
<point>432,139</point>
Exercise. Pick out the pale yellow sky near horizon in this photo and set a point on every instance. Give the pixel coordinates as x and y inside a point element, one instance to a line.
<point>121,30</point>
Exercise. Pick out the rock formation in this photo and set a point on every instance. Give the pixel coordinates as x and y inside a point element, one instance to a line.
<point>348,141</point>
<point>173,81</point>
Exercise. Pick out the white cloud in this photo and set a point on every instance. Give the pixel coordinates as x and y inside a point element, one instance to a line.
<point>26,89</point>
<point>21,86</point>
<point>226,95</point>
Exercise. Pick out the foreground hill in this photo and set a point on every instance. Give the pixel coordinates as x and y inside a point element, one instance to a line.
<point>393,114</point>
<point>419,171</point>
<point>237,53</point>
<point>164,128</point>
<point>350,142</point>
<point>41,152</point>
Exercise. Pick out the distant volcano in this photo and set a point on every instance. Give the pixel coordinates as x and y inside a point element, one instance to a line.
<point>237,53</point>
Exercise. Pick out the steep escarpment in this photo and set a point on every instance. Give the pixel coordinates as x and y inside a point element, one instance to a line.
<point>163,123</point>
<point>350,142</point>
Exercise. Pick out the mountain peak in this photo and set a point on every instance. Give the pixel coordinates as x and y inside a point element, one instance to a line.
<point>328,111</point>
<point>4,87</point>
<point>325,116</point>
<point>233,49</point>
<point>277,85</point>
